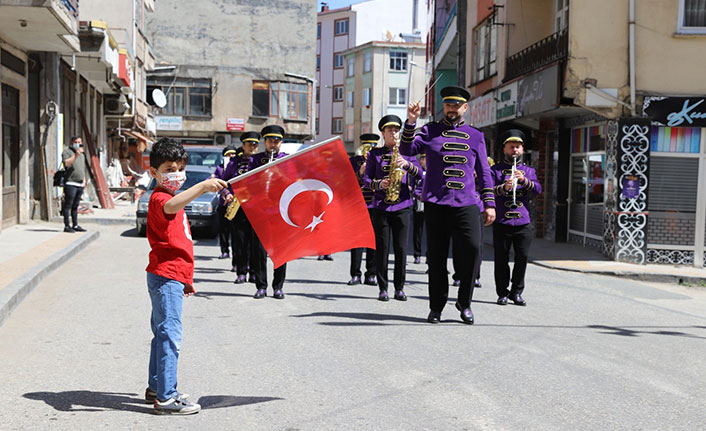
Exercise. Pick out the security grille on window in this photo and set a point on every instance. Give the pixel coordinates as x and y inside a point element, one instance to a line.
<point>338,93</point>
<point>366,97</point>
<point>398,96</point>
<point>367,62</point>
<point>337,61</point>
<point>398,60</point>
<point>692,16</point>
<point>484,42</point>
<point>341,27</point>
<point>337,125</point>
<point>351,67</point>
<point>280,99</point>
<point>349,99</point>
<point>185,96</point>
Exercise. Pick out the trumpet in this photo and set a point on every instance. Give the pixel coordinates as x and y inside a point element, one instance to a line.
<point>513,205</point>
<point>232,209</point>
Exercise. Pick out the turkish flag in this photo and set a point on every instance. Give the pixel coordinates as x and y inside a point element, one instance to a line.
<point>306,204</point>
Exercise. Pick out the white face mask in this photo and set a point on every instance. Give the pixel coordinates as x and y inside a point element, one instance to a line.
<point>173,181</point>
<point>75,146</point>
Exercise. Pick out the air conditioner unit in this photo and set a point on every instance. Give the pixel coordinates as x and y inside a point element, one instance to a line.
<point>221,139</point>
<point>112,105</point>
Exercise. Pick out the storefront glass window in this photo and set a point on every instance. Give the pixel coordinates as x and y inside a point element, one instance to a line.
<point>675,139</point>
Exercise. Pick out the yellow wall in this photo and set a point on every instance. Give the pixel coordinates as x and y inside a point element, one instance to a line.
<point>531,21</point>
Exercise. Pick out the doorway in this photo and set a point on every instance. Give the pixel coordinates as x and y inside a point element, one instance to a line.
<point>10,154</point>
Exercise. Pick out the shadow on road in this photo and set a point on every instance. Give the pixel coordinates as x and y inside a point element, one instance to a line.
<point>208,295</point>
<point>328,296</point>
<point>625,331</point>
<point>91,401</point>
<point>371,318</point>
<point>223,401</point>
<point>315,281</point>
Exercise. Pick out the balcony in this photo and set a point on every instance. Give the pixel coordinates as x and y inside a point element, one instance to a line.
<point>546,51</point>
<point>40,25</point>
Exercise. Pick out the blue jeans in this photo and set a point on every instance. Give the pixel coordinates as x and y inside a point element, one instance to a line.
<point>167,298</point>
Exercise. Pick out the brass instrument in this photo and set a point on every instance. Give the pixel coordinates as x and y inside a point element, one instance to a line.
<point>513,205</point>
<point>392,194</point>
<point>232,209</point>
<point>365,149</point>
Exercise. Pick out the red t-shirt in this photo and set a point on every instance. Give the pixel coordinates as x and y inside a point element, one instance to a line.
<point>169,235</point>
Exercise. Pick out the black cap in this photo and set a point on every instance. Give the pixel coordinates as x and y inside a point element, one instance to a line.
<point>250,137</point>
<point>229,149</point>
<point>389,120</point>
<point>369,138</point>
<point>273,131</point>
<point>514,135</point>
<point>454,94</point>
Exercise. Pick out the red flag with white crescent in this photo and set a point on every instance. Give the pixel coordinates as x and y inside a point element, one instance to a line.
<point>306,204</point>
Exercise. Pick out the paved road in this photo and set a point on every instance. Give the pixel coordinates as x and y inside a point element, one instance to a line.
<point>589,352</point>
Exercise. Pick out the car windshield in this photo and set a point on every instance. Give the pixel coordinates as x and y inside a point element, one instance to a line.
<point>192,178</point>
<point>204,157</point>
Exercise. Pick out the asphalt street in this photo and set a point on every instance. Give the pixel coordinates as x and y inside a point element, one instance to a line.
<point>588,352</point>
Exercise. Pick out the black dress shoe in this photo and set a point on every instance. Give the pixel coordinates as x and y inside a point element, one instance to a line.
<point>240,279</point>
<point>383,296</point>
<point>371,281</point>
<point>69,229</point>
<point>234,269</point>
<point>78,228</point>
<point>502,300</point>
<point>466,314</point>
<point>434,317</point>
<point>417,260</point>
<point>353,281</point>
<point>517,299</point>
<point>251,278</point>
<point>477,284</point>
<point>260,293</point>
<point>456,283</point>
<point>400,295</point>
<point>328,257</point>
<point>320,258</point>
<point>278,294</point>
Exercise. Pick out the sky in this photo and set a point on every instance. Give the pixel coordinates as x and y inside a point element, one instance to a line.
<point>335,4</point>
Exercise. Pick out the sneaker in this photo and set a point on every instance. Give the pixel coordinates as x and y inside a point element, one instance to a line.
<point>176,406</point>
<point>151,395</point>
<point>78,228</point>
<point>69,229</point>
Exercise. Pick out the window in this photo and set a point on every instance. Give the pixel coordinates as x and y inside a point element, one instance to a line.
<point>398,96</point>
<point>349,132</point>
<point>351,67</point>
<point>317,125</point>
<point>349,99</point>
<point>318,62</point>
<point>318,92</point>
<point>365,128</point>
<point>367,62</point>
<point>398,60</point>
<point>280,99</point>
<point>484,41</point>
<point>185,96</point>
<point>318,30</point>
<point>366,97</point>
<point>692,16</point>
<point>341,27</point>
<point>337,61</point>
<point>561,15</point>
<point>337,125</point>
<point>337,93</point>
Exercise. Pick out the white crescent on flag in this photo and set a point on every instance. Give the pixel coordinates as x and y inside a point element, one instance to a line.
<point>299,187</point>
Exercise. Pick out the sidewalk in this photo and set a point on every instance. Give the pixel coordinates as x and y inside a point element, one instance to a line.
<point>123,213</point>
<point>29,253</point>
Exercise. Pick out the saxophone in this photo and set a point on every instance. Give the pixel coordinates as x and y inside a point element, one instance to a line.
<point>392,194</point>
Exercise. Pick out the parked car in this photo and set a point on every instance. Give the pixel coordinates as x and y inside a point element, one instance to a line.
<point>209,156</point>
<point>201,212</point>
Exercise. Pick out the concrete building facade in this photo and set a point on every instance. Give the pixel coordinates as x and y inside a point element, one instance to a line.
<point>227,67</point>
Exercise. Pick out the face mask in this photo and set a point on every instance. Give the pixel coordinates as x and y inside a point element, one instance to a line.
<point>75,146</point>
<point>173,181</point>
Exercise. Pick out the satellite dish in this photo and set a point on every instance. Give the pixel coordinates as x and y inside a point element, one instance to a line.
<point>159,98</point>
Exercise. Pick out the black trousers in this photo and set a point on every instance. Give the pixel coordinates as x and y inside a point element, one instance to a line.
<point>462,225</point>
<point>397,224</point>
<point>224,229</point>
<point>243,243</point>
<point>519,238</point>
<point>357,259</point>
<point>260,268</point>
<point>72,198</point>
<point>417,232</point>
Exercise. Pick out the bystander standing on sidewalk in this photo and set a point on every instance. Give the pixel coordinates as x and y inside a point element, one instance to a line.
<point>75,164</point>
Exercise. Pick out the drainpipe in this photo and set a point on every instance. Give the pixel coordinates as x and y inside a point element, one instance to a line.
<point>631,27</point>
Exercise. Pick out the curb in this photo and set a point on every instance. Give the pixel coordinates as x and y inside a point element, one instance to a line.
<point>127,221</point>
<point>13,294</point>
<point>640,276</point>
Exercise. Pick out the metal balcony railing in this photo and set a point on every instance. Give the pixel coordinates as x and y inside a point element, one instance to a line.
<point>72,6</point>
<point>546,51</point>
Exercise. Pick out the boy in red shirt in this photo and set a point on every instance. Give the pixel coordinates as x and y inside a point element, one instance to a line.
<point>170,273</point>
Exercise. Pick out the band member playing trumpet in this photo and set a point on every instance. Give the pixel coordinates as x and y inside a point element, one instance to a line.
<point>386,174</point>
<point>225,227</point>
<point>515,183</point>
<point>367,142</point>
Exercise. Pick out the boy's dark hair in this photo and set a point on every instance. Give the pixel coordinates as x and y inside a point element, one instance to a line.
<point>167,150</point>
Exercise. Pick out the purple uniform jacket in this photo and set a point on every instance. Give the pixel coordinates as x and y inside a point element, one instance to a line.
<point>260,159</point>
<point>527,188</point>
<point>356,163</point>
<point>377,168</point>
<point>453,153</point>
<point>237,165</point>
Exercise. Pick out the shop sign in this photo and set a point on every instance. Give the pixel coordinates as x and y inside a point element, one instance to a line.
<point>507,101</point>
<point>482,110</point>
<point>538,92</point>
<point>124,70</point>
<point>169,123</point>
<point>235,124</point>
<point>676,111</point>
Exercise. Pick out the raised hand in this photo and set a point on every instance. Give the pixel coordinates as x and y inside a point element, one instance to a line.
<point>414,110</point>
